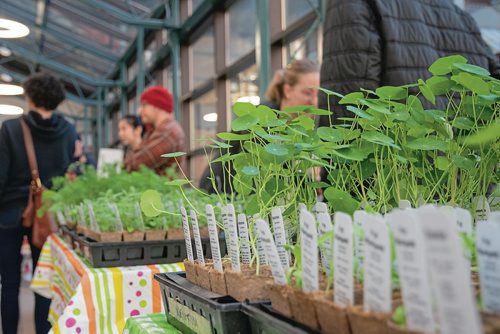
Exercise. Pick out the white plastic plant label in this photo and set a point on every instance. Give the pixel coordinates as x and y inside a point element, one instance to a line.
<point>81,212</point>
<point>377,293</point>
<point>138,214</point>
<point>260,247</point>
<point>309,251</point>
<point>226,229</point>
<point>93,222</point>
<point>264,234</point>
<point>118,221</point>
<point>481,207</point>
<point>343,283</point>
<point>464,221</point>
<point>280,237</point>
<point>197,238</point>
<point>320,207</point>
<point>450,279</point>
<point>404,204</point>
<point>359,219</point>
<point>488,255</point>
<point>187,234</point>
<point>214,237</point>
<point>412,268</point>
<point>233,235</point>
<point>301,207</point>
<point>246,255</point>
<point>325,226</point>
<point>60,218</point>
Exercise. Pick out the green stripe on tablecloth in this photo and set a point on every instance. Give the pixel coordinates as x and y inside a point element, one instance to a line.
<point>108,298</point>
<point>152,323</point>
<point>97,287</point>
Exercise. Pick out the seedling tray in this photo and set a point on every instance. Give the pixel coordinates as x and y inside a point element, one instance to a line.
<point>193,309</point>
<point>263,319</point>
<point>133,253</point>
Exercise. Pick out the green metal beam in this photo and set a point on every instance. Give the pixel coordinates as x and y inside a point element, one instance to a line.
<point>54,65</point>
<point>140,61</point>
<point>263,45</point>
<point>129,18</point>
<point>123,90</point>
<point>175,54</point>
<point>205,9</point>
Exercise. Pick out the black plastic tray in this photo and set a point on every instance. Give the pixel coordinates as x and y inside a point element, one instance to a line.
<point>133,253</point>
<point>263,319</point>
<point>223,313</point>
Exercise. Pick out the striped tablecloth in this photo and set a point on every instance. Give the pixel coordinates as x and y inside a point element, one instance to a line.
<point>88,300</point>
<point>149,324</point>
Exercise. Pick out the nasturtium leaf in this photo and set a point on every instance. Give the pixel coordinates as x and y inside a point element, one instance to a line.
<point>442,163</point>
<point>341,201</point>
<point>297,109</point>
<point>151,204</point>
<point>276,149</point>
<point>234,136</point>
<point>319,112</point>
<point>391,92</point>
<point>473,69</point>
<point>252,206</point>
<point>178,182</point>
<point>223,158</point>
<point>472,82</point>
<point>439,85</point>
<point>219,144</point>
<point>444,65</point>
<point>463,162</point>
<point>330,92</point>
<point>368,168</point>
<point>350,153</point>
<point>426,91</point>
<point>250,170</point>
<point>360,112</point>
<point>485,135</point>
<point>330,134</point>
<point>304,121</point>
<point>270,137</point>
<point>314,162</point>
<point>352,98</point>
<point>318,184</point>
<point>243,108</point>
<point>265,114</point>
<point>463,123</point>
<point>173,154</point>
<point>375,105</point>
<point>379,138</point>
<point>427,144</point>
<point>244,123</point>
<point>252,147</point>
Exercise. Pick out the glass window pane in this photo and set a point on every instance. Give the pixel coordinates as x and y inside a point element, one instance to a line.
<point>195,4</point>
<point>244,87</point>
<point>203,120</point>
<point>198,164</point>
<point>203,57</point>
<point>303,47</point>
<point>242,22</point>
<point>296,9</point>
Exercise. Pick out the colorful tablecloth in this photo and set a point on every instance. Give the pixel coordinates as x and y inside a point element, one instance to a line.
<point>88,300</point>
<point>152,323</point>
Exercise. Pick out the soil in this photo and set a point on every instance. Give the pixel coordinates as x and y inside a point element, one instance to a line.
<point>246,285</point>
<point>367,323</point>
<point>190,272</point>
<point>395,329</point>
<point>303,310</point>
<point>109,236</point>
<point>133,236</point>
<point>155,234</point>
<point>279,298</point>
<point>491,323</point>
<point>332,318</point>
<point>204,232</point>
<point>175,234</point>
<point>202,275</point>
<point>217,282</point>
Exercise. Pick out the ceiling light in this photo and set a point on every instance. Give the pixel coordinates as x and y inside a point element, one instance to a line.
<point>4,51</point>
<point>255,100</point>
<point>7,109</point>
<point>7,89</point>
<point>5,77</point>
<point>211,117</point>
<point>12,29</point>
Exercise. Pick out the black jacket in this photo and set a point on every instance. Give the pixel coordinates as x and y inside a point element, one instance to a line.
<point>54,141</point>
<point>372,43</point>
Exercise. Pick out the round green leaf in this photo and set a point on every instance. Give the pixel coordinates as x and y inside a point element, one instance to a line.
<point>177,183</point>
<point>265,114</point>
<point>319,112</point>
<point>426,91</point>
<point>463,162</point>
<point>250,170</point>
<point>473,69</point>
<point>173,154</point>
<point>243,108</point>
<point>350,153</point>
<point>391,92</point>
<point>352,98</point>
<point>244,122</point>
<point>439,85</point>
<point>376,106</point>
<point>361,113</point>
<point>485,135</point>
<point>276,149</point>
<point>378,138</point>
<point>442,163</point>
<point>444,65</point>
<point>234,136</point>
<point>427,144</point>
<point>341,201</point>
<point>330,134</point>
<point>151,203</point>
<point>219,144</point>
<point>472,82</point>
<point>463,123</point>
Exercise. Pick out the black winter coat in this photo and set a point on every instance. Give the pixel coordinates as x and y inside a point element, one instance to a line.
<point>373,43</point>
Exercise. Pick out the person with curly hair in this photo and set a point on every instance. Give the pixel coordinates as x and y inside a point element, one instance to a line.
<point>54,142</point>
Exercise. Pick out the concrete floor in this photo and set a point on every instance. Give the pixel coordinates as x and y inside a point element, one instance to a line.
<point>27,306</point>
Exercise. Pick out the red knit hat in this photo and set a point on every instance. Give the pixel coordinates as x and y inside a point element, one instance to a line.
<point>159,97</point>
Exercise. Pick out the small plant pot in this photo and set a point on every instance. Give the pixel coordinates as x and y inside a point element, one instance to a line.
<point>203,275</point>
<point>247,285</point>
<point>190,269</point>
<point>303,311</point>
<point>133,236</point>
<point>175,234</point>
<point>155,235</point>
<point>278,294</point>
<point>332,318</point>
<point>71,225</point>
<point>109,236</point>
<point>491,323</point>
<point>94,235</point>
<point>395,329</point>
<point>217,282</point>
<point>367,323</point>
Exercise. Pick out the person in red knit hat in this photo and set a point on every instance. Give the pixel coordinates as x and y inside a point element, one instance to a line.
<point>163,135</point>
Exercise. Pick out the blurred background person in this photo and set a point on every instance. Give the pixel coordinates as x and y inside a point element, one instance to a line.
<point>130,131</point>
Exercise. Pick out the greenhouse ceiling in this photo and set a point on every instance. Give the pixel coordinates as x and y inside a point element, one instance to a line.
<point>81,41</point>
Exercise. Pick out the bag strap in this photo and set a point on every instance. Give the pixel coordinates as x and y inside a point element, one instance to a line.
<point>36,183</point>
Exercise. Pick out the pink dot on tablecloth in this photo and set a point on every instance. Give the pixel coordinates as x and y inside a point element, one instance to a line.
<point>130,283</point>
<point>78,330</point>
<point>138,293</point>
<point>134,313</point>
<point>70,302</point>
<point>70,322</point>
<point>140,273</point>
<point>129,301</point>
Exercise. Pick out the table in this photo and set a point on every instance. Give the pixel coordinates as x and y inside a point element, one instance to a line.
<point>152,323</point>
<point>88,300</point>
